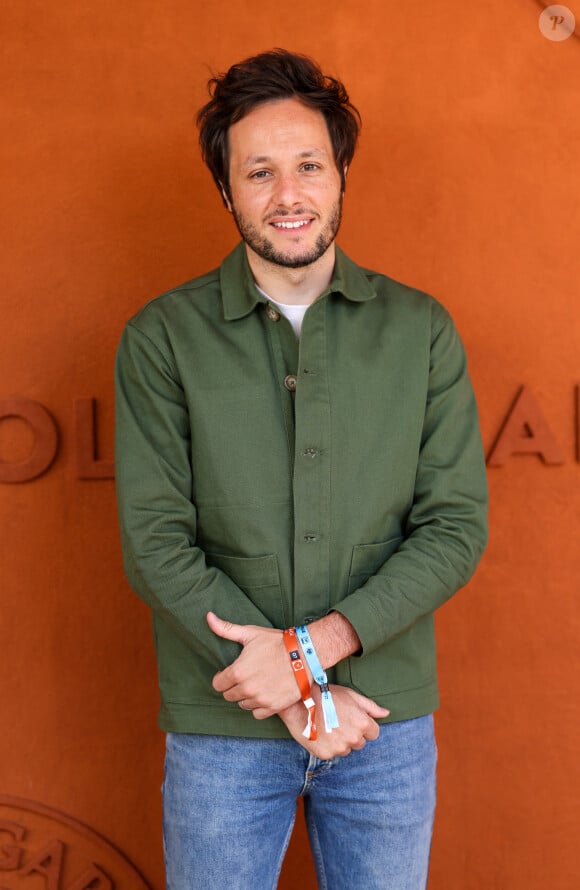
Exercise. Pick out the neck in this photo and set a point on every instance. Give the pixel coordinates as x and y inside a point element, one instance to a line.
<point>294,286</point>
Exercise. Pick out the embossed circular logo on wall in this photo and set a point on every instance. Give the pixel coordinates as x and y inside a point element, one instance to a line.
<point>43,849</point>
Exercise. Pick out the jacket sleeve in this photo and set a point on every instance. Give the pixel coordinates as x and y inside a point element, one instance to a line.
<point>445,531</point>
<point>157,515</point>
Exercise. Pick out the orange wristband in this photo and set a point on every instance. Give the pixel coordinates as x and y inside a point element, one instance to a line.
<point>301,677</point>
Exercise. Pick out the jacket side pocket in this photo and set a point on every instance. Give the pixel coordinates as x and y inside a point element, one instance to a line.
<point>259,578</point>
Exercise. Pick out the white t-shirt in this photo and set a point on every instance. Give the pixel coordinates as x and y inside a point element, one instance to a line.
<point>294,313</point>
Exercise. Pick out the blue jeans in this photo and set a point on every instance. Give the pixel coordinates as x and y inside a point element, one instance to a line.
<point>229,806</point>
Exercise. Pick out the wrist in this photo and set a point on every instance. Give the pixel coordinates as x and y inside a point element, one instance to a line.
<point>334,638</point>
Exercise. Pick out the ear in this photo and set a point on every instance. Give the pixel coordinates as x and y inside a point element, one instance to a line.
<point>226,200</point>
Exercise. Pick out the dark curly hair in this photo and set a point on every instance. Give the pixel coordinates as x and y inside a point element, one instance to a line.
<point>277,74</point>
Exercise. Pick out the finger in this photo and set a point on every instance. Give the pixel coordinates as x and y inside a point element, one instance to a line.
<point>372,731</point>
<point>329,752</point>
<point>262,713</point>
<point>227,682</point>
<point>370,706</point>
<point>234,693</point>
<point>226,629</point>
<point>377,711</point>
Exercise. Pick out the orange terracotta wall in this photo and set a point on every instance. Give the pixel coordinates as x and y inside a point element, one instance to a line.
<point>466,185</point>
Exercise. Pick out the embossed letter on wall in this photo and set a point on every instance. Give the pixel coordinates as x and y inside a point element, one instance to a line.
<point>41,847</point>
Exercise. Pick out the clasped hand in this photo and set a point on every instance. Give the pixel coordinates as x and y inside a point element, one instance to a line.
<point>357,716</point>
<point>260,678</point>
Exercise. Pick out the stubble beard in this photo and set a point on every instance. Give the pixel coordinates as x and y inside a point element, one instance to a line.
<point>265,249</point>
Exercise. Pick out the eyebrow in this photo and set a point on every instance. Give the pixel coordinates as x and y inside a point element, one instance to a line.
<point>265,159</point>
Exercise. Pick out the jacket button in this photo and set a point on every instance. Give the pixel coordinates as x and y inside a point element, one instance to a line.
<point>310,452</point>
<point>290,382</point>
<point>272,313</point>
<point>311,539</point>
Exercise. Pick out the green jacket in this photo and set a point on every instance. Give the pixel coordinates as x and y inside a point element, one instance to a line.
<point>272,482</point>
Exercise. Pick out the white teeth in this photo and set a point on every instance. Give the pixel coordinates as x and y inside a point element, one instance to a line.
<point>292,225</point>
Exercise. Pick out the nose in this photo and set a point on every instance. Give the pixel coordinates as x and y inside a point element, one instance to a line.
<point>288,190</point>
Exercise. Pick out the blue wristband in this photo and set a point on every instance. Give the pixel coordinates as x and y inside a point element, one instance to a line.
<point>319,674</point>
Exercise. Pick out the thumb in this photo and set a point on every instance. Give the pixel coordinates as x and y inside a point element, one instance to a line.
<point>376,710</point>
<point>226,629</point>
<point>371,707</point>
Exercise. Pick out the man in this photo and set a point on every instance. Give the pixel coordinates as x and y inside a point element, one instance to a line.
<point>297,446</point>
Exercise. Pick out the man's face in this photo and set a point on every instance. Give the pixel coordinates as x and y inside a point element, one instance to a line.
<point>285,187</point>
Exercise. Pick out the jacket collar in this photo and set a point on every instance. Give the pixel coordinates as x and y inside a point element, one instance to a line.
<point>240,295</point>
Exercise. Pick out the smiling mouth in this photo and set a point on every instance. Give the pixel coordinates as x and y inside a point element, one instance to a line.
<point>296,224</point>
